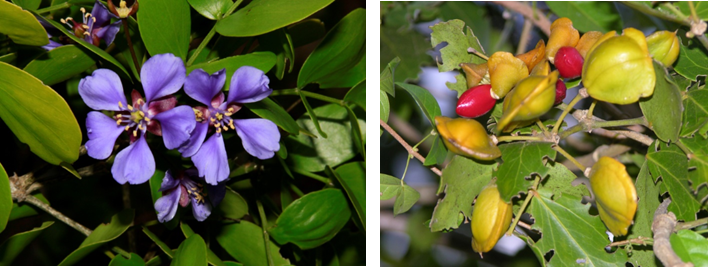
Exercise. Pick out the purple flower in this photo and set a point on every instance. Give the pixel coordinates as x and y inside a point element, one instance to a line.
<point>162,75</point>
<point>184,188</point>
<point>259,136</point>
<point>95,26</point>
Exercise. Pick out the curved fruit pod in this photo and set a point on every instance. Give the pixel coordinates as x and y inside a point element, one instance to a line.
<point>491,218</point>
<point>615,194</point>
<point>534,56</point>
<point>467,137</point>
<point>664,47</point>
<point>531,98</point>
<point>505,71</point>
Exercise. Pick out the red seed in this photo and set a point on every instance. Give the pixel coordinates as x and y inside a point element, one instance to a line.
<point>560,92</point>
<point>569,62</point>
<point>475,102</point>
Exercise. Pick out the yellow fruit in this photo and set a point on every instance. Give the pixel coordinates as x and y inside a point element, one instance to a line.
<point>615,195</point>
<point>534,56</point>
<point>505,71</point>
<point>531,98</point>
<point>467,137</point>
<point>474,73</point>
<point>618,69</point>
<point>587,41</point>
<point>491,218</point>
<point>664,47</point>
<point>562,34</point>
<point>542,68</point>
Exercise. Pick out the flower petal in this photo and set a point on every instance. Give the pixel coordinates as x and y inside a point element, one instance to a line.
<point>211,160</point>
<point>203,87</point>
<point>197,136</point>
<point>134,164</point>
<point>51,45</point>
<point>216,193</point>
<point>168,182</point>
<point>109,32</point>
<point>166,206</point>
<point>200,210</point>
<point>102,90</point>
<point>162,75</point>
<point>101,13</point>
<point>248,85</point>
<point>176,124</point>
<point>102,132</point>
<point>259,136</point>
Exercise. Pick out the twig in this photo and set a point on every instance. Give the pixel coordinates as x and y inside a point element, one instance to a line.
<point>407,131</point>
<point>594,124</point>
<point>38,203</point>
<point>524,38</point>
<point>612,151</point>
<point>690,225</point>
<point>407,146</point>
<point>637,241</point>
<point>539,20</point>
<point>518,216</point>
<point>663,225</point>
<point>130,44</point>
<point>568,156</point>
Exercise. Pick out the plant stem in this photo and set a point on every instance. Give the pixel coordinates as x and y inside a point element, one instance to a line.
<point>296,190</point>
<point>296,91</point>
<point>530,193</point>
<point>690,225</point>
<point>637,241</point>
<point>510,138</point>
<point>569,157</point>
<point>565,112</point>
<point>314,176</point>
<point>543,127</point>
<point>477,53</point>
<point>130,44</point>
<point>209,36</point>
<point>407,146</point>
<point>408,159</point>
<point>264,226</point>
<point>652,12</point>
<point>684,148</point>
<point>45,207</point>
<point>54,7</point>
<point>674,9</point>
<point>589,114</point>
<point>617,123</point>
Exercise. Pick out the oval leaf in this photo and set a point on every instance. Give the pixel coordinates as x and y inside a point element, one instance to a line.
<point>312,220</point>
<point>101,235</point>
<point>38,116</point>
<point>260,17</point>
<point>351,177</point>
<point>192,252</point>
<point>212,258</point>
<point>165,26</point>
<point>233,206</point>
<point>244,242</point>
<point>663,110</point>
<point>16,243</point>
<point>59,64</point>
<point>338,61</point>
<point>424,99</point>
<point>120,260</point>
<point>209,8</point>
<point>21,26</point>
<point>5,199</point>
<point>690,247</point>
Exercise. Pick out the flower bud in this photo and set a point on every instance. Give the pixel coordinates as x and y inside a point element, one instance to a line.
<point>474,73</point>
<point>562,34</point>
<point>475,102</point>
<point>467,137</point>
<point>614,193</point>
<point>123,10</point>
<point>560,92</point>
<point>618,69</point>
<point>664,47</point>
<point>534,56</point>
<point>491,218</point>
<point>505,71</point>
<point>569,62</point>
<point>587,41</point>
<point>531,98</point>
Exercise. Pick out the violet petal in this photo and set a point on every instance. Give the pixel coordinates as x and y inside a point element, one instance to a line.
<point>102,132</point>
<point>162,75</point>
<point>109,32</point>
<point>259,137</point>
<point>211,160</point>
<point>102,90</point>
<point>201,210</point>
<point>168,182</point>
<point>166,206</point>
<point>192,145</point>
<point>134,164</point>
<point>176,124</point>
<point>248,85</point>
<point>203,87</point>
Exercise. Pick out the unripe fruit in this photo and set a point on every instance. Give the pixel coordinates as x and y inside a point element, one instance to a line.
<point>467,137</point>
<point>569,62</point>
<point>542,68</point>
<point>534,56</point>
<point>587,41</point>
<point>664,47</point>
<point>618,69</point>
<point>560,92</point>
<point>615,194</point>
<point>491,218</point>
<point>475,102</point>
<point>474,73</point>
<point>505,71</point>
<point>562,34</point>
<point>531,98</point>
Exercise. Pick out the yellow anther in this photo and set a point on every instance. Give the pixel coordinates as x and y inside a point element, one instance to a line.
<point>225,128</point>
<point>212,120</point>
<point>231,124</point>
<point>140,126</point>
<point>217,125</point>
<point>127,127</point>
<point>219,116</point>
<point>219,130</point>
<point>231,110</point>
<point>122,4</point>
<point>85,26</point>
<point>194,189</point>
<point>142,114</point>
<point>93,18</point>
<point>228,113</point>
<point>87,15</point>
<point>135,133</point>
<point>118,122</point>
<point>83,10</point>
<point>63,21</point>
<point>87,33</point>
<point>130,107</point>
<point>120,105</point>
<point>69,19</point>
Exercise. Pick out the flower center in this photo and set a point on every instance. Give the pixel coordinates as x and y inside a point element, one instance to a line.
<point>196,190</point>
<point>132,117</point>
<point>123,10</point>
<point>81,29</point>
<point>221,120</point>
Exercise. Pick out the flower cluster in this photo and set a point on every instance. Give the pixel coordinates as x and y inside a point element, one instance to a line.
<point>94,26</point>
<point>182,127</point>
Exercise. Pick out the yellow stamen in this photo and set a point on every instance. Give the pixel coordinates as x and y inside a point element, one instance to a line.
<point>87,33</point>
<point>140,126</point>
<point>231,110</point>
<point>212,120</point>
<point>231,125</point>
<point>85,26</point>
<point>135,133</point>
<point>118,122</point>
<point>130,107</point>
<point>83,10</point>
<point>87,15</point>
<point>63,21</point>
<point>219,130</point>
<point>127,127</point>
<point>219,116</point>
<point>216,125</point>
<point>225,128</point>
<point>147,119</point>
<point>93,18</point>
<point>120,104</point>
<point>228,113</point>
<point>122,4</point>
<point>142,114</point>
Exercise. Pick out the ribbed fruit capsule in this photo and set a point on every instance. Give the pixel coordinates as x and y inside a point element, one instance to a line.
<point>505,71</point>
<point>562,34</point>
<point>664,47</point>
<point>475,102</point>
<point>587,41</point>
<point>534,56</point>
<point>491,218</point>
<point>569,62</point>
<point>467,137</point>
<point>531,98</point>
<point>615,195</point>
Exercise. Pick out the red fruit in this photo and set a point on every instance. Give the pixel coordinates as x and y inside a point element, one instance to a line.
<point>569,62</point>
<point>560,92</point>
<point>475,102</point>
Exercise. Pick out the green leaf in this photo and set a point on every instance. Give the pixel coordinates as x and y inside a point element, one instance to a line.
<point>405,199</point>
<point>386,78</point>
<point>212,258</point>
<point>91,47</point>
<point>313,117</point>
<point>5,199</point>
<point>383,106</point>
<point>28,4</point>
<point>38,116</point>
<point>101,235</point>
<point>192,252</point>
<point>244,241</point>
<point>312,154</point>
<point>458,40</point>
<point>460,85</point>
<point>672,167</point>
<point>690,247</point>
<point>120,260</point>
<point>341,50</point>
<point>260,60</point>
<point>424,99</point>
<point>437,154</point>
<point>306,31</point>
<point>16,243</point>
<point>694,116</point>
<point>312,220</point>
<point>211,9</point>
<point>165,26</point>
<point>589,16</point>
<point>519,161</point>
<point>559,181</point>
<point>233,206</point>
<point>647,204</point>
<point>569,230</point>
<point>692,60</point>
<point>700,7</point>
<point>166,249</point>
<point>260,17</point>
<point>698,160</point>
<point>462,180</point>
<point>389,186</point>
<point>270,110</point>
<point>358,95</point>
<point>279,42</point>
<point>21,26</point>
<point>70,169</point>
<point>9,58</point>
<point>663,109</point>
<point>408,45</point>
<point>359,137</point>
<point>352,179</point>
<point>59,64</point>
